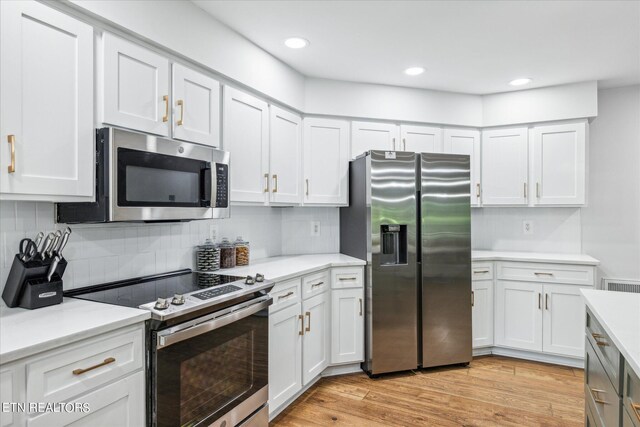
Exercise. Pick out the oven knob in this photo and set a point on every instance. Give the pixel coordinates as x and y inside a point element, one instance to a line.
<point>259,277</point>
<point>162,304</point>
<point>177,299</point>
<point>249,280</point>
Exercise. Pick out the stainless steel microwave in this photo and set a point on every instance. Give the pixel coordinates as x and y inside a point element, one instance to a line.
<point>141,177</point>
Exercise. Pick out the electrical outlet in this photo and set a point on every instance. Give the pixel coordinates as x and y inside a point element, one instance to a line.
<point>527,227</point>
<point>213,232</point>
<point>315,228</point>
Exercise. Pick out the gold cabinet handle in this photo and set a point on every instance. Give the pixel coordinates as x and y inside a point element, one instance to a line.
<point>288,294</point>
<point>308,314</point>
<point>307,182</point>
<point>524,186</point>
<point>539,273</point>
<point>301,324</point>
<point>360,300</point>
<point>539,301</point>
<point>473,299</point>
<point>636,410</point>
<point>346,278</point>
<point>11,139</point>
<point>538,190</point>
<point>546,301</point>
<point>394,143</point>
<point>480,271</point>
<point>180,103</point>
<point>91,368</point>
<point>166,108</point>
<point>596,395</point>
<point>266,182</point>
<point>275,183</point>
<point>404,144</point>
<point>597,338</point>
<point>478,190</point>
<point>317,284</point>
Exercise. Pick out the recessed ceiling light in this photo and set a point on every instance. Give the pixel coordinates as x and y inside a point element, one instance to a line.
<point>296,42</point>
<point>520,81</point>
<point>414,71</point>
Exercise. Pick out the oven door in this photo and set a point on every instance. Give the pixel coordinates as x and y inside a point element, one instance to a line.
<point>212,370</point>
<point>156,179</point>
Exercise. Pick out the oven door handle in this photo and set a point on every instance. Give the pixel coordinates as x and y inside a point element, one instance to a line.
<point>167,338</point>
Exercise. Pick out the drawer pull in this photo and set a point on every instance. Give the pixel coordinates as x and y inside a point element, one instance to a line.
<point>538,273</point>
<point>636,410</point>
<point>480,271</point>
<point>346,278</point>
<point>596,395</point>
<point>288,294</point>
<point>539,301</point>
<point>91,368</point>
<point>308,329</point>
<point>597,338</point>
<point>360,300</point>
<point>301,317</point>
<point>317,284</point>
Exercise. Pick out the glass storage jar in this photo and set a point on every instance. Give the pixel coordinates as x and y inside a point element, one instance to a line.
<point>207,257</point>
<point>242,251</point>
<point>227,254</point>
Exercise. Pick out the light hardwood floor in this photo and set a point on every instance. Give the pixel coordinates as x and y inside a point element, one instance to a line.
<point>492,391</point>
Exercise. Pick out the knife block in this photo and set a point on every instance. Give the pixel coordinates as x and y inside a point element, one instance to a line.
<point>39,292</point>
<point>34,271</point>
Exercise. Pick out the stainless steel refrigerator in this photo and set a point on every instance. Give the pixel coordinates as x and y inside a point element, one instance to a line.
<point>409,218</point>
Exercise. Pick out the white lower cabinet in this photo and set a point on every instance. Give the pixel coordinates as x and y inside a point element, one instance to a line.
<point>347,325</point>
<point>563,320</point>
<point>12,391</point>
<point>482,313</point>
<point>519,315</point>
<point>315,343</point>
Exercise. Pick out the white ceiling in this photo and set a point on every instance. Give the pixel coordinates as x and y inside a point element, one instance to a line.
<point>466,46</point>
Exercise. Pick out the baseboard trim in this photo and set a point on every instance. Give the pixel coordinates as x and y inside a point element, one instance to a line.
<point>350,368</point>
<point>574,362</point>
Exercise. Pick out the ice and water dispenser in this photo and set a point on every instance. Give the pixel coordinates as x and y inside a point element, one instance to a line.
<point>394,244</point>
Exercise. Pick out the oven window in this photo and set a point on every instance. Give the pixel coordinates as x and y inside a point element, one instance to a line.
<point>151,179</point>
<point>202,378</point>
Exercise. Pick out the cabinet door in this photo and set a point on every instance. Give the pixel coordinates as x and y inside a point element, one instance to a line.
<point>315,344</point>
<point>326,161</point>
<point>246,138</point>
<point>466,141</point>
<point>420,139</point>
<point>119,404</point>
<point>12,390</point>
<point>518,315</point>
<point>367,136</point>
<point>563,320</point>
<point>46,107</point>
<point>482,313</point>
<point>285,159</point>
<point>136,87</point>
<point>196,98</point>
<point>559,164</point>
<point>285,355</point>
<point>505,167</point>
<point>347,325</point>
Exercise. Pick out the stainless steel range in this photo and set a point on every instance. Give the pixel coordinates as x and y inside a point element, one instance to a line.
<point>207,345</point>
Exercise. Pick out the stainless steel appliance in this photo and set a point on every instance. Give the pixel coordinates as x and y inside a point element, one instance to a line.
<point>142,177</point>
<point>208,345</point>
<point>409,218</point>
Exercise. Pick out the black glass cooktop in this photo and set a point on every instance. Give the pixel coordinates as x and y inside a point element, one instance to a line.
<point>142,290</point>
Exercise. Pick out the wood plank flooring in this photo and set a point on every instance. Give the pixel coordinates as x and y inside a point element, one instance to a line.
<point>492,391</point>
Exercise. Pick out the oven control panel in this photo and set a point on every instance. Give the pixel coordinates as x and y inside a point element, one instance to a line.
<point>222,185</point>
<point>216,292</point>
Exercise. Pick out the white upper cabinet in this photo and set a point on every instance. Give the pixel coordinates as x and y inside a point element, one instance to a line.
<point>367,136</point>
<point>196,100</point>
<point>285,156</point>
<point>420,139</point>
<point>136,87</point>
<point>326,161</point>
<point>559,153</point>
<point>246,138</point>
<point>505,166</point>
<point>46,107</point>
<point>466,141</point>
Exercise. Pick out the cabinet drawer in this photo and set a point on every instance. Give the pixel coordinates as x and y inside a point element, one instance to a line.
<point>605,350</point>
<point>598,390</point>
<point>315,284</point>
<point>631,395</point>
<point>546,273</point>
<point>347,277</point>
<point>482,271</point>
<point>590,418</point>
<point>62,374</point>
<point>285,294</point>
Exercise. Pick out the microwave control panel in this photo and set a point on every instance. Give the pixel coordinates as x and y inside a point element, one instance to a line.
<point>222,185</point>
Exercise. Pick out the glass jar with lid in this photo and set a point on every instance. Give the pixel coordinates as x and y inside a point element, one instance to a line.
<point>242,251</point>
<point>207,257</point>
<point>227,254</point>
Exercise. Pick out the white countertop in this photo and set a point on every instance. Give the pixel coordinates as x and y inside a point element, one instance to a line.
<point>26,332</point>
<point>619,315</point>
<point>534,257</point>
<point>285,267</point>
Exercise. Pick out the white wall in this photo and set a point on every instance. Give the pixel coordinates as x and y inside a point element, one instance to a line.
<point>555,230</point>
<point>188,31</point>
<point>611,221</point>
<point>296,231</point>
<point>571,101</point>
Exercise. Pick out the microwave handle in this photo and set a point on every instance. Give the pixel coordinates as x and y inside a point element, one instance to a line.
<point>205,186</point>
<point>167,338</point>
